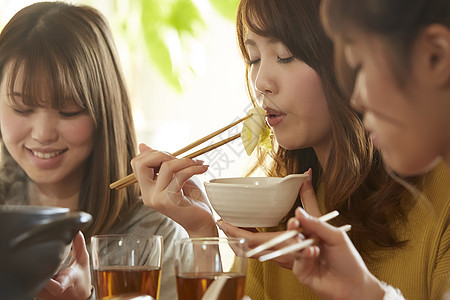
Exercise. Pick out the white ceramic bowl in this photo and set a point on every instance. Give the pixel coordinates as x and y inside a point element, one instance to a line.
<point>254,201</point>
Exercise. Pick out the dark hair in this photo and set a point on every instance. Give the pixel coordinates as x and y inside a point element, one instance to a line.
<point>355,181</point>
<point>66,53</point>
<point>397,21</point>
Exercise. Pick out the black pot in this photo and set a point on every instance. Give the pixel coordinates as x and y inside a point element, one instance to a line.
<point>33,242</point>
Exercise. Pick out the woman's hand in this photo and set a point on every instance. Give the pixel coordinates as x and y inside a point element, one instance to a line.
<point>74,282</point>
<point>308,196</point>
<point>333,266</point>
<point>255,238</point>
<point>172,192</point>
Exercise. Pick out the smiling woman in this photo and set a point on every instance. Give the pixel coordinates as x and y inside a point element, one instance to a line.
<point>67,132</point>
<point>50,141</point>
<point>174,50</point>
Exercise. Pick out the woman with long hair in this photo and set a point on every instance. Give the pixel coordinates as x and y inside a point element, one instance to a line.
<point>394,58</point>
<point>67,131</point>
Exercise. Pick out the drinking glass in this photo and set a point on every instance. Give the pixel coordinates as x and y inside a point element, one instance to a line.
<point>200,262</point>
<point>126,264</point>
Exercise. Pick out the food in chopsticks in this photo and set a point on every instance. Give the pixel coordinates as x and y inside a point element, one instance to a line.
<point>255,130</point>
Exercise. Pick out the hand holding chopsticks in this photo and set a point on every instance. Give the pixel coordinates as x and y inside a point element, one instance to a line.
<point>287,235</point>
<point>296,247</point>
<point>131,179</point>
<point>334,267</point>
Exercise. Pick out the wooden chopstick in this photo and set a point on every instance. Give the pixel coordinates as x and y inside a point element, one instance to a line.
<point>297,247</point>
<point>123,182</point>
<point>287,235</point>
<point>131,179</point>
<point>213,146</point>
<point>209,136</point>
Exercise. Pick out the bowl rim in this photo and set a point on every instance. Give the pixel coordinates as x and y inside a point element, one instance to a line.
<point>245,185</point>
<point>249,185</point>
<point>32,209</point>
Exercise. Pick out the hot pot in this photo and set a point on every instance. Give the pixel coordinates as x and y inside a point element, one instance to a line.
<point>33,243</point>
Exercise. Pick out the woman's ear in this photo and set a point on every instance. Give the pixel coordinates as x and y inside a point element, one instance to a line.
<point>431,55</point>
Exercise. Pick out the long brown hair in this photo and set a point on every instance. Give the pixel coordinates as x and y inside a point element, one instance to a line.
<point>355,180</point>
<point>67,53</point>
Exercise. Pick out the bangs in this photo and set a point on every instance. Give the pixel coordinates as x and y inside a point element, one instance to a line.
<point>294,23</point>
<point>339,18</point>
<point>261,17</point>
<point>42,84</point>
<point>331,17</point>
<point>338,28</point>
<point>346,76</point>
<point>40,77</point>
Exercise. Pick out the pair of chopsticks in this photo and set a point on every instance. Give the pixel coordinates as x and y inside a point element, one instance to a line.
<point>297,247</point>
<point>131,179</point>
<point>287,235</point>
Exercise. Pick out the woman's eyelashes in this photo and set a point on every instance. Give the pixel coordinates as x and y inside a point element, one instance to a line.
<point>252,62</point>
<point>281,60</point>
<point>64,114</point>
<point>22,112</point>
<point>285,60</point>
<point>357,69</point>
<point>20,109</point>
<point>71,114</point>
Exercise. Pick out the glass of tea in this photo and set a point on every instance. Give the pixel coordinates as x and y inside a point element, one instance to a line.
<point>216,266</point>
<point>126,264</point>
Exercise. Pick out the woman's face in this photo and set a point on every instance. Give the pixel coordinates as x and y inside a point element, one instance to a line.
<point>399,118</point>
<point>291,93</point>
<point>52,146</point>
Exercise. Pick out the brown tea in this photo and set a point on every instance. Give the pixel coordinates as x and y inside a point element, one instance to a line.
<point>114,281</point>
<point>193,286</point>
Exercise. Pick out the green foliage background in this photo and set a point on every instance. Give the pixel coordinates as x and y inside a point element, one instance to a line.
<point>182,16</point>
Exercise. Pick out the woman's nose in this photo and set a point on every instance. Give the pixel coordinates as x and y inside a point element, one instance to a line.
<point>44,128</point>
<point>265,82</point>
<point>355,100</point>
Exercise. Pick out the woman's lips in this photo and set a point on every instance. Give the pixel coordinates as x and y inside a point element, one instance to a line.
<point>274,117</point>
<point>47,155</point>
<point>46,159</point>
<point>373,137</point>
